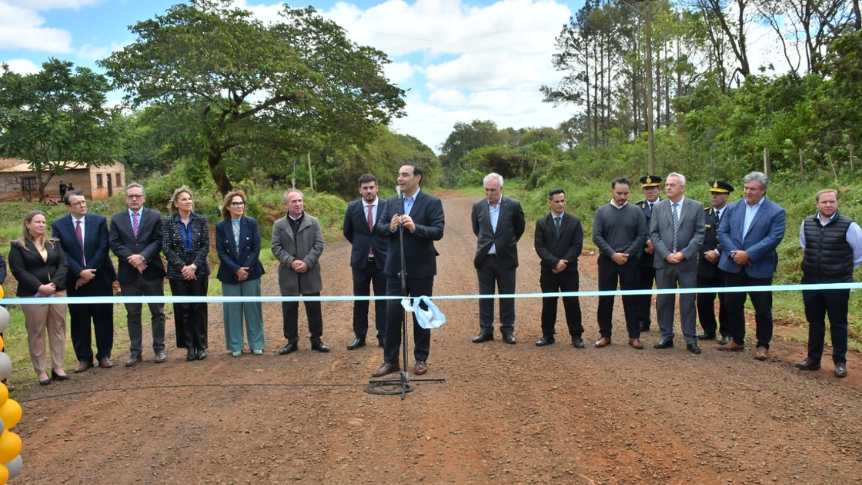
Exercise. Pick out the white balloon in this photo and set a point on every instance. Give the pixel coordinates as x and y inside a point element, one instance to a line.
<point>5,366</point>
<point>14,466</point>
<point>4,319</point>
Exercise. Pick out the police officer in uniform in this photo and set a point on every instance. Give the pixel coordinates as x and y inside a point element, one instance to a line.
<point>708,273</point>
<point>651,186</point>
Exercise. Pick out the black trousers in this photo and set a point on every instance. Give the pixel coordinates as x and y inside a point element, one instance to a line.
<point>394,314</point>
<point>562,282</point>
<point>611,273</point>
<point>645,280</point>
<point>762,302</point>
<point>819,304</point>
<point>190,319</point>
<point>706,305</point>
<point>492,277</point>
<point>363,280</point>
<point>290,315</point>
<point>102,316</point>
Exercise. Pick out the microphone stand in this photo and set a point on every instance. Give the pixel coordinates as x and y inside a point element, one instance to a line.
<point>404,380</point>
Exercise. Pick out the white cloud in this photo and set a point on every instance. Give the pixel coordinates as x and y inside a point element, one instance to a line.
<point>398,72</point>
<point>91,52</point>
<point>52,4</point>
<point>22,66</point>
<point>22,28</point>
<point>446,98</point>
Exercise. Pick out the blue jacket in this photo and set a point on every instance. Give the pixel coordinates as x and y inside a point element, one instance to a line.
<point>764,235</point>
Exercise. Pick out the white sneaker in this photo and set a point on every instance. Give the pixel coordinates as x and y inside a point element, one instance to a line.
<point>237,353</point>
<point>257,351</point>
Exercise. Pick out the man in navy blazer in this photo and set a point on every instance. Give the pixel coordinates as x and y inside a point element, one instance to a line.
<point>421,220</point>
<point>367,260</point>
<point>498,223</point>
<point>84,238</point>
<point>141,271</point>
<point>751,229</point>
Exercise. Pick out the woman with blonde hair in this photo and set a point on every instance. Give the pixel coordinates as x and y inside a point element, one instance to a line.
<point>238,248</point>
<point>38,263</point>
<point>185,244</point>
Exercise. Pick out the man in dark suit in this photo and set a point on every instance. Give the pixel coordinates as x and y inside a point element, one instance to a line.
<point>367,260</point>
<point>559,239</point>
<point>136,240</point>
<point>84,238</point>
<point>419,220</point>
<point>651,186</point>
<point>498,223</point>
<point>750,232</point>
<point>676,231</point>
<point>709,275</point>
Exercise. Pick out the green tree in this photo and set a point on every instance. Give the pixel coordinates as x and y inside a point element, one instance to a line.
<point>219,81</point>
<point>55,118</point>
<point>466,137</point>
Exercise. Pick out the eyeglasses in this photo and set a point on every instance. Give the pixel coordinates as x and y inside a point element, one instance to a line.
<point>134,196</point>
<point>237,204</point>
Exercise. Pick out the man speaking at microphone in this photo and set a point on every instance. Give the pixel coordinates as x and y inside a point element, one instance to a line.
<point>421,218</point>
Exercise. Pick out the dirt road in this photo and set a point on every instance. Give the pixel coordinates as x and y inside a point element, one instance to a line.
<point>505,414</point>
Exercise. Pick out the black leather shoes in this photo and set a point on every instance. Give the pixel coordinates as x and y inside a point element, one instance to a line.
<point>318,345</point>
<point>58,377</point>
<point>290,347</point>
<point>509,338</point>
<point>693,348</point>
<point>645,327</point>
<point>545,340</point>
<point>578,342</point>
<point>202,354</point>
<point>357,342</point>
<point>665,343</point>
<point>724,340</point>
<point>190,355</point>
<point>840,370</point>
<point>706,336</point>
<point>807,364</point>
<point>483,337</point>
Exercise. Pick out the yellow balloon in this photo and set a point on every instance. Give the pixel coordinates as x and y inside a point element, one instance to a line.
<point>10,447</point>
<point>4,475</point>
<point>10,413</point>
<point>1,291</point>
<point>4,394</point>
<point>2,344</point>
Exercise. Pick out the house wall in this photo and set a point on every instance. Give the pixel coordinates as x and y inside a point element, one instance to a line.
<point>87,179</point>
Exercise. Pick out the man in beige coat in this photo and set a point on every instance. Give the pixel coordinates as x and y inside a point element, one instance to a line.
<point>297,243</point>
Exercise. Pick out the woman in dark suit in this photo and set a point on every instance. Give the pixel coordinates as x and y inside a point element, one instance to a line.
<point>39,265</point>
<point>238,247</point>
<point>185,246</point>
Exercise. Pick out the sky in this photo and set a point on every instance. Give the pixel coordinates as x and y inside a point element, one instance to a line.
<point>458,60</point>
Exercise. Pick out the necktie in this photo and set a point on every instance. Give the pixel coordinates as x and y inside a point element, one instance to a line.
<point>80,234</point>
<point>135,223</point>
<point>675,224</point>
<point>557,223</point>
<point>370,227</point>
<point>718,215</point>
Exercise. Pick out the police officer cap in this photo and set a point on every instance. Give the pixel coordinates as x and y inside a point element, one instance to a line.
<point>650,181</point>
<point>719,187</point>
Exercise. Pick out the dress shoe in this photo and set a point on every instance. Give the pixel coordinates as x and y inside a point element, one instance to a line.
<point>706,336</point>
<point>693,348</point>
<point>545,340</point>
<point>386,369</point>
<point>380,342</point>
<point>257,351</point>
<point>665,343</point>
<point>134,360</point>
<point>318,345</point>
<point>807,364</point>
<point>636,343</point>
<point>731,347</point>
<point>762,353</point>
<point>421,368</point>
<point>45,381</point>
<point>509,338</point>
<point>357,342</point>
<point>724,340</point>
<point>603,342</point>
<point>577,342</point>
<point>645,327</point>
<point>59,377</point>
<point>202,354</point>
<point>105,363</point>
<point>161,358</point>
<point>190,355</point>
<point>840,370</point>
<point>290,347</point>
<point>483,337</point>
<point>83,366</point>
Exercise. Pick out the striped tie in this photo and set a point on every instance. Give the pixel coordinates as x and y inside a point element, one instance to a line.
<point>135,223</point>
<point>675,225</point>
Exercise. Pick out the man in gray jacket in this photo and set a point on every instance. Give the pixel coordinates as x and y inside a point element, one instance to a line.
<point>297,243</point>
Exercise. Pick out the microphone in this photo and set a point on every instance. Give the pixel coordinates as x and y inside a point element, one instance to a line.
<point>400,196</point>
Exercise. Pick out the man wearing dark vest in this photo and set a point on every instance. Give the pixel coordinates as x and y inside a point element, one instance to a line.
<point>832,245</point>
<point>708,273</point>
<point>651,186</point>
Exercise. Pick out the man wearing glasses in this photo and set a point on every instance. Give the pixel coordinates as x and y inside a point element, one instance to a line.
<point>84,238</point>
<point>136,239</point>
